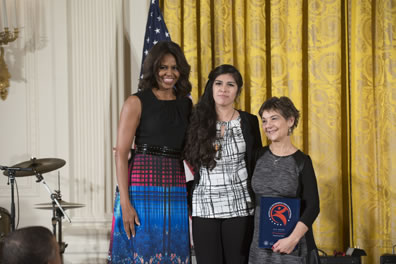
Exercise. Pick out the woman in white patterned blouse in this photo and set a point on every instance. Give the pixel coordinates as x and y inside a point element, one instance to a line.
<point>220,143</point>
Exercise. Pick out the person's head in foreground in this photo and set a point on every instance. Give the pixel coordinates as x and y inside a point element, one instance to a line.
<point>30,245</point>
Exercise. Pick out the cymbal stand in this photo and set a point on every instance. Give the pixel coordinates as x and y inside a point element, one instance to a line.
<point>55,219</point>
<point>57,216</point>
<point>62,245</point>
<point>57,212</point>
<point>11,180</point>
<point>54,196</point>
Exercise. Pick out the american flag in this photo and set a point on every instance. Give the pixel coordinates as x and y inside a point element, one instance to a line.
<point>155,30</point>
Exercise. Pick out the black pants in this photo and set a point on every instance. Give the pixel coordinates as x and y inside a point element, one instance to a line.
<point>218,241</point>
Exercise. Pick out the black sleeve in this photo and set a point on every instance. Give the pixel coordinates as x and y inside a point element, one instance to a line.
<point>256,140</point>
<point>256,131</point>
<point>190,186</point>
<point>189,106</point>
<point>309,194</point>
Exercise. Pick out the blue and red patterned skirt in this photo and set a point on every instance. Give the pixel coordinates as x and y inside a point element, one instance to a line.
<point>157,190</point>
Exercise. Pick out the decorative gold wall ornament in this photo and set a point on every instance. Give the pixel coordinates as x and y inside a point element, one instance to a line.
<point>4,76</point>
<point>5,37</point>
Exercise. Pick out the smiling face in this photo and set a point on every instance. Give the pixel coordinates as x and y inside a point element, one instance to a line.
<point>225,90</point>
<point>168,73</point>
<point>275,126</point>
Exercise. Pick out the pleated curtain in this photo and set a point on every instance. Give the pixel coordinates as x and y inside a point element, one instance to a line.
<point>336,60</point>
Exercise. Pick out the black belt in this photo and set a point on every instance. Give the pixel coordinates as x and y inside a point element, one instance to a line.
<point>158,150</point>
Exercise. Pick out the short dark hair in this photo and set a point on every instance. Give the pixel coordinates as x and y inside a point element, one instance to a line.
<point>152,63</point>
<point>284,106</point>
<point>34,244</point>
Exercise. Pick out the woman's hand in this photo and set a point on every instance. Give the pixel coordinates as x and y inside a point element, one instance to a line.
<point>285,245</point>
<point>130,218</point>
<point>288,244</point>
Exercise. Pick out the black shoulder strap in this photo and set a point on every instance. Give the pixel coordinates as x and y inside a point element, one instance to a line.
<point>260,152</point>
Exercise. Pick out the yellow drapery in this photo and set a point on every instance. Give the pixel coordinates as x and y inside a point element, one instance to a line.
<point>336,60</point>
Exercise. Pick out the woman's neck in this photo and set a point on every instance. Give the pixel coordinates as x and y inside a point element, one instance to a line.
<point>165,94</point>
<point>225,113</point>
<point>282,148</point>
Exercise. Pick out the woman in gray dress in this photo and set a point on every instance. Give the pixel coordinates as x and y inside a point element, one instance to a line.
<point>282,170</point>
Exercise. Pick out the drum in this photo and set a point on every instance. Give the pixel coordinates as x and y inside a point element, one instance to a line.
<point>5,222</point>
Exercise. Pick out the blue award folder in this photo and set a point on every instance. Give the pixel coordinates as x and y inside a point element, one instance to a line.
<point>278,217</point>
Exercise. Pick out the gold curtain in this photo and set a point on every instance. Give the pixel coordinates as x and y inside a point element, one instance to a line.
<point>373,124</point>
<point>336,60</point>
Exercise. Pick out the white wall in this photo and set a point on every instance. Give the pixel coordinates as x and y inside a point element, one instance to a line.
<point>72,67</point>
<point>137,27</point>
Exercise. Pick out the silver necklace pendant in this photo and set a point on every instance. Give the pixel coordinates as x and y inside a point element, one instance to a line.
<point>276,160</point>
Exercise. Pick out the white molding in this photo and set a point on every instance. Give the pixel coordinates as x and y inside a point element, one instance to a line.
<point>67,90</point>
<point>137,28</point>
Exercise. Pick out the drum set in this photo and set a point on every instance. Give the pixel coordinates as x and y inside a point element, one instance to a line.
<point>37,167</point>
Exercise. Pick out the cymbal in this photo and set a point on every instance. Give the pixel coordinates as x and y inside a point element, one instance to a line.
<point>65,205</point>
<point>37,166</point>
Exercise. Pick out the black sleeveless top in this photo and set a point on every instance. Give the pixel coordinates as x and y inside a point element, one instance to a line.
<point>162,122</point>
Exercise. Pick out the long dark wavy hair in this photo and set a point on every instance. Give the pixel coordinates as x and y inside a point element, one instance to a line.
<point>201,133</point>
<point>153,61</point>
